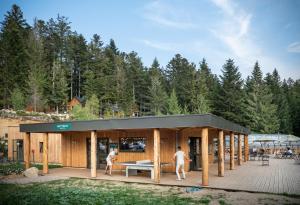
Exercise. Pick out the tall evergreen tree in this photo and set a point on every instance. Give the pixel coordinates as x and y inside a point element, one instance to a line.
<point>173,107</point>
<point>259,110</point>
<point>14,54</point>
<point>36,79</point>
<point>230,100</point>
<point>181,75</point>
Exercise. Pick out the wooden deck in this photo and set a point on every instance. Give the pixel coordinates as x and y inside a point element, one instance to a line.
<point>282,176</point>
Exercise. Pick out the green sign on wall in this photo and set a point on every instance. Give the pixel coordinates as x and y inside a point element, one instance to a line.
<point>63,126</point>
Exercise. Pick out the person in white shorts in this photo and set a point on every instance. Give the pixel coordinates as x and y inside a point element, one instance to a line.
<point>180,156</point>
<point>109,160</point>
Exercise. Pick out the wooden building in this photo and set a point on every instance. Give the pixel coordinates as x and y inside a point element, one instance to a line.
<point>87,143</point>
<point>75,101</point>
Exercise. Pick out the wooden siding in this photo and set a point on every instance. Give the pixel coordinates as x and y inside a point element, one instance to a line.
<point>74,147</point>
<point>35,138</point>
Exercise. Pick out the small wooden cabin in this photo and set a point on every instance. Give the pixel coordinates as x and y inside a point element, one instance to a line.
<point>75,101</point>
<point>87,143</point>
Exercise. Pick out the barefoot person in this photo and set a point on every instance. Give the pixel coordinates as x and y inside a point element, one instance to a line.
<point>180,156</point>
<point>110,158</point>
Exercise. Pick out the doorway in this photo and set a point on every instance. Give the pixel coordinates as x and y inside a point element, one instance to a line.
<point>102,152</point>
<point>18,153</point>
<point>195,153</point>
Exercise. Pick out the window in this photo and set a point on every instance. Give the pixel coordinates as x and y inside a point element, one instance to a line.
<point>41,147</point>
<point>133,144</point>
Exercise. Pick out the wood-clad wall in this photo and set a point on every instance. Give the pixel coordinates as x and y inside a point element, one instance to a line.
<point>184,136</point>
<point>13,134</point>
<point>54,146</point>
<point>74,147</point>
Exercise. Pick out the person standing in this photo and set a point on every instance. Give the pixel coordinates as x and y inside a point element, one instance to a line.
<point>109,160</point>
<point>180,157</point>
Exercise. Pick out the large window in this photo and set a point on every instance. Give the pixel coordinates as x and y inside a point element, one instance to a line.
<point>133,144</point>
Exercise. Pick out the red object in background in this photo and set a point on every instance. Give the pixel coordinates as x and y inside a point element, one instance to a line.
<point>32,151</point>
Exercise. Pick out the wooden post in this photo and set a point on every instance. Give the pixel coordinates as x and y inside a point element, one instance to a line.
<point>156,157</point>
<point>240,149</point>
<point>224,146</point>
<point>204,146</point>
<point>231,151</point>
<point>93,154</point>
<point>27,150</point>
<point>45,153</point>
<point>246,148</point>
<point>221,154</point>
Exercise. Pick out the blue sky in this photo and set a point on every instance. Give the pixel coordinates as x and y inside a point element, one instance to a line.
<point>248,30</point>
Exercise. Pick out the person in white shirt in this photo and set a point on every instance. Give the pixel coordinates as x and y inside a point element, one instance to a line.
<point>180,156</point>
<point>109,160</point>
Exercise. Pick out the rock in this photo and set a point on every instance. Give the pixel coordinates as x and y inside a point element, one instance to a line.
<point>31,172</point>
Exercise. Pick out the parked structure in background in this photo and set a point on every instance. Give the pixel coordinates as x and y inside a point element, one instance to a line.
<point>273,142</point>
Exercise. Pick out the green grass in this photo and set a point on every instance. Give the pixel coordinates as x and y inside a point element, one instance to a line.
<point>84,191</point>
<point>18,168</point>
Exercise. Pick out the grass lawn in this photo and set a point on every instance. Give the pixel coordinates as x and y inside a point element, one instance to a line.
<point>83,191</point>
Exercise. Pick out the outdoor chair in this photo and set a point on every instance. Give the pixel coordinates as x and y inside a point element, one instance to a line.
<point>253,156</point>
<point>265,159</point>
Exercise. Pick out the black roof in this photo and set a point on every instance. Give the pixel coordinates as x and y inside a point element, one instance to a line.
<point>148,122</point>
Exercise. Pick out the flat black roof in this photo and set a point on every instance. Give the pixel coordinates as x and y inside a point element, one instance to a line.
<point>147,122</point>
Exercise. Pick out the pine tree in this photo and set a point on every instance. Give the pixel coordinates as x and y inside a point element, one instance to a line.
<point>92,106</point>
<point>157,96</point>
<point>229,103</point>
<point>259,111</point>
<point>14,54</point>
<point>18,99</point>
<point>181,77</point>
<point>173,105</point>
<point>36,79</point>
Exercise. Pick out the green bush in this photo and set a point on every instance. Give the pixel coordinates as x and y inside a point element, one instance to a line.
<point>11,168</point>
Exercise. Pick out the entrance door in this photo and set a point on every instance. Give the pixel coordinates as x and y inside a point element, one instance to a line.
<point>102,152</point>
<point>195,153</point>
<point>18,154</point>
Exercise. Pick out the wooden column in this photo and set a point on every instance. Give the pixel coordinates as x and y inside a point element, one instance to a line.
<point>224,146</point>
<point>231,151</point>
<point>204,147</point>
<point>27,150</point>
<point>246,148</point>
<point>45,153</point>
<point>240,149</point>
<point>156,157</point>
<point>221,154</point>
<point>93,154</point>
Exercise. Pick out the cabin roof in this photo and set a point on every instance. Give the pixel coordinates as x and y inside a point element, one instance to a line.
<point>147,122</point>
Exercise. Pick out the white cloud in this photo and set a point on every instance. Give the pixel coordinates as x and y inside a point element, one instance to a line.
<point>165,15</point>
<point>234,31</point>
<point>294,47</point>
<point>161,45</point>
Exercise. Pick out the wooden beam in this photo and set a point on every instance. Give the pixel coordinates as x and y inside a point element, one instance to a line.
<point>246,148</point>
<point>231,151</point>
<point>204,146</point>
<point>93,154</point>
<point>45,153</point>
<point>27,150</point>
<point>156,157</point>
<point>240,149</point>
<point>221,154</point>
